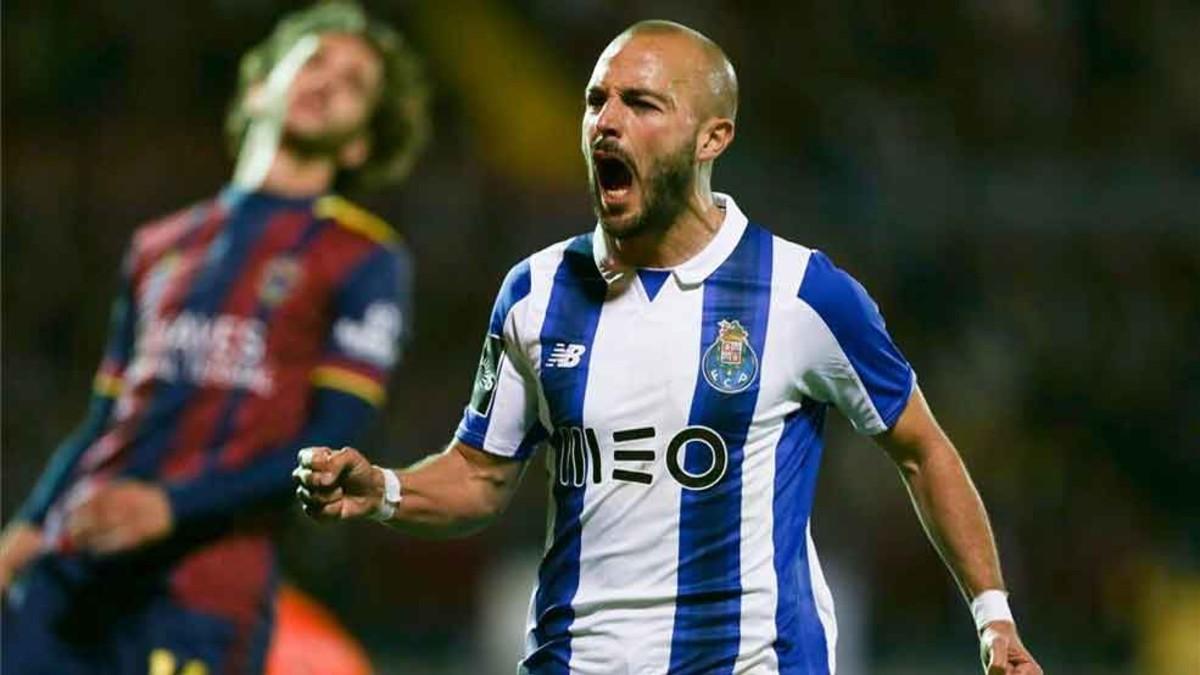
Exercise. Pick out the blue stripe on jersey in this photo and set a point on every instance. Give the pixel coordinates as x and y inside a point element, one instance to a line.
<point>800,638</point>
<point>571,317</point>
<point>652,281</point>
<point>844,305</point>
<point>708,600</point>
<point>473,428</point>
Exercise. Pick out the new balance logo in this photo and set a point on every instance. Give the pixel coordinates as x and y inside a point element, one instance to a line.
<point>565,355</point>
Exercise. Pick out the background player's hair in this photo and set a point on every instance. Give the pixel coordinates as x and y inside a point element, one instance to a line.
<point>399,126</point>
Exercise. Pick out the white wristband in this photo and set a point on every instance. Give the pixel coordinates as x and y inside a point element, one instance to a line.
<point>391,495</point>
<point>990,606</point>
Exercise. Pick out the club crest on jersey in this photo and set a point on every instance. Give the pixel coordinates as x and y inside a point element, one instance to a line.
<point>730,364</point>
<point>278,278</point>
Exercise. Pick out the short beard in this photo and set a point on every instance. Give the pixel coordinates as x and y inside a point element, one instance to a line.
<point>664,196</point>
<point>320,146</point>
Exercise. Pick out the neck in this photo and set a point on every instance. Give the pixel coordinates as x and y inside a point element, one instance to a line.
<point>291,175</point>
<point>687,235</point>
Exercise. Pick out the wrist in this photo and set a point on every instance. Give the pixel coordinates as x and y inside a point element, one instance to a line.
<point>989,607</point>
<point>389,494</point>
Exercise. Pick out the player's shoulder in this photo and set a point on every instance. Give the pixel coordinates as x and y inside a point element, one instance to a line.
<point>807,277</point>
<point>535,274</point>
<point>355,223</point>
<point>164,233</point>
<point>544,264</point>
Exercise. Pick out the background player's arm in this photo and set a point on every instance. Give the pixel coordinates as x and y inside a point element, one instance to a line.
<point>453,493</point>
<point>22,537</point>
<point>127,514</point>
<point>954,517</point>
<point>222,493</point>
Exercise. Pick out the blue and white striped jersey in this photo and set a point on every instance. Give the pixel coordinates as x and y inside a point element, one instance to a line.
<point>684,410</point>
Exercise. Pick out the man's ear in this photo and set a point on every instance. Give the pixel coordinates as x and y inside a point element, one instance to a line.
<point>715,135</point>
<point>355,152</point>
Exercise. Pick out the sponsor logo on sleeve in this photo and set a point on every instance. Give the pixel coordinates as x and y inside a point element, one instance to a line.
<point>373,338</point>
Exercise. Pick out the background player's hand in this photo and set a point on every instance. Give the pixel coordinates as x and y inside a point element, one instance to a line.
<point>338,484</point>
<point>1003,653</point>
<point>120,516</point>
<point>19,545</point>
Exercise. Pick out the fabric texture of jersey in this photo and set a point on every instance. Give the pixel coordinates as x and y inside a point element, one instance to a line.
<point>685,424</point>
<point>247,326</point>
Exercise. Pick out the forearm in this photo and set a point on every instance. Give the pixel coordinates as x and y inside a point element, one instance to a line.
<point>954,518</point>
<point>58,470</point>
<point>452,494</point>
<point>223,493</point>
<point>336,419</point>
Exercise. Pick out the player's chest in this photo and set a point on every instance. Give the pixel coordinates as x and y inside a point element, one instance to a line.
<point>682,356</point>
<point>672,391</point>
<point>229,295</point>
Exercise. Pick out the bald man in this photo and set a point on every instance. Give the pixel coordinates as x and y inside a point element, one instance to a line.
<point>679,361</point>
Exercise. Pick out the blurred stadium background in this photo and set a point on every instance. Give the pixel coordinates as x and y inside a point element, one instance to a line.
<point>1017,182</point>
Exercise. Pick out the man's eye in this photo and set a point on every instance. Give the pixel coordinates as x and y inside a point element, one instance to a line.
<point>642,104</point>
<point>595,101</point>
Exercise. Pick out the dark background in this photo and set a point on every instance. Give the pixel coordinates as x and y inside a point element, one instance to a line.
<point>1017,183</point>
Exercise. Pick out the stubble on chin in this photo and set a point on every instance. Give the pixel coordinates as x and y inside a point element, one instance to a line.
<point>664,197</point>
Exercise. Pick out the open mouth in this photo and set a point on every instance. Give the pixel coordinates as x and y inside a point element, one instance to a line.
<point>613,174</point>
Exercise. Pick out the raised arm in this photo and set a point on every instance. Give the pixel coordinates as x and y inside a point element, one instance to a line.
<point>453,493</point>
<point>956,522</point>
<point>469,484</point>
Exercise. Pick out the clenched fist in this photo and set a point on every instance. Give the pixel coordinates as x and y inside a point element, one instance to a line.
<point>338,484</point>
<point>1003,653</point>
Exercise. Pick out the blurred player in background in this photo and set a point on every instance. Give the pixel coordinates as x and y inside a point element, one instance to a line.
<point>680,360</point>
<point>249,325</point>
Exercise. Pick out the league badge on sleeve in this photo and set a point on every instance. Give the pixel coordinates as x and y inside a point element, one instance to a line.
<point>486,375</point>
<point>730,364</point>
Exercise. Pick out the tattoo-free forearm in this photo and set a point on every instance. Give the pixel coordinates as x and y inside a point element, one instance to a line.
<point>953,516</point>
<point>454,493</point>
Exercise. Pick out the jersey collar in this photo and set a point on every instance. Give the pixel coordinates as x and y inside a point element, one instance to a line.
<point>694,270</point>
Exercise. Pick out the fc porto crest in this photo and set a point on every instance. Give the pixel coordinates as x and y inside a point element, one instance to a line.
<point>730,364</point>
<point>278,279</point>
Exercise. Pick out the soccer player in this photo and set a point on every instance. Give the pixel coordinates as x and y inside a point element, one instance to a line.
<point>680,360</point>
<point>249,325</point>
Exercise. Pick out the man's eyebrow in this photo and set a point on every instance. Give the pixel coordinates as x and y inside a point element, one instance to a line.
<point>639,92</point>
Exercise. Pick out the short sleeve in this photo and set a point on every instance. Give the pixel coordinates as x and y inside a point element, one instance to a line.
<point>502,415</point>
<point>370,322</point>
<point>859,369</point>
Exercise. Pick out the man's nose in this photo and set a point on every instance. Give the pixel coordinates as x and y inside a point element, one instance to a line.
<point>610,120</point>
